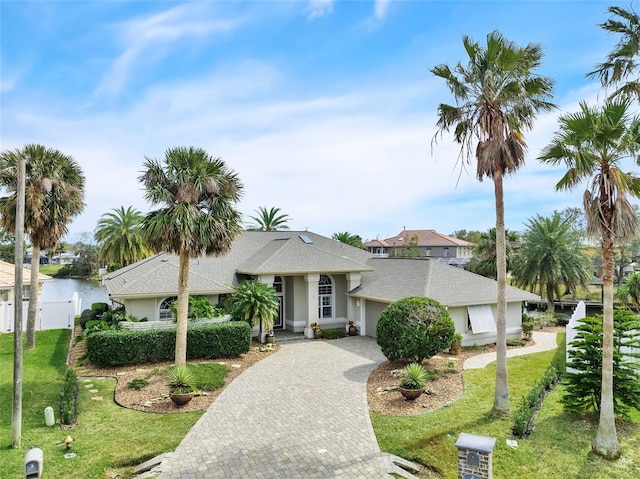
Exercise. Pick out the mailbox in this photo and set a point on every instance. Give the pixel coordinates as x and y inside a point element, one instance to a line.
<point>33,463</point>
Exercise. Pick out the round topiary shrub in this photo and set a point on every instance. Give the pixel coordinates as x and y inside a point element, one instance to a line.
<point>414,328</point>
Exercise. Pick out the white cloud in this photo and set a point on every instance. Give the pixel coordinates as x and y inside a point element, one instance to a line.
<point>147,40</point>
<point>319,8</point>
<point>381,8</point>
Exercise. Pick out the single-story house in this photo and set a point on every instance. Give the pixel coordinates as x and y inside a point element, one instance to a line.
<point>318,279</point>
<point>7,293</point>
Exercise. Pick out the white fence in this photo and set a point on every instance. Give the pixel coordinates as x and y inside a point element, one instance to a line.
<point>579,313</point>
<point>49,315</point>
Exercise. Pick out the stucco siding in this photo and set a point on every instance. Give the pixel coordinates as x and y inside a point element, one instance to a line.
<point>373,310</point>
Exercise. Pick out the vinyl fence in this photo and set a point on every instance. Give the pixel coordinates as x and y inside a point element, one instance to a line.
<point>50,314</point>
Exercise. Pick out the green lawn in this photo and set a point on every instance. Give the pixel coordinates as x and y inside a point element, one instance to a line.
<point>560,446</point>
<point>106,435</point>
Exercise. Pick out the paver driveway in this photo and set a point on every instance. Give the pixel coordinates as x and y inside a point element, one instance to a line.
<point>300,413</point>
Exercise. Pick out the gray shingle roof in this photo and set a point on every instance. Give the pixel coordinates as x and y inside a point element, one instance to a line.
<point>254,252</point>
<point>396,278</point>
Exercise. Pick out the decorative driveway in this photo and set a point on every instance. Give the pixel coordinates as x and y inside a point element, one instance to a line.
<point>300,413</point>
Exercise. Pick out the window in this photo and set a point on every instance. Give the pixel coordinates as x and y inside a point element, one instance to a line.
<point>481,318</point>
<point>325,297</point>
<point>277,284</point>
<point>446,252</point>
<point>428,251</point>
<point>5,295</point>
<point>165,314</point>
<point>25,292</point>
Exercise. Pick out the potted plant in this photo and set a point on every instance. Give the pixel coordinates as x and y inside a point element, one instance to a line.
<point>353,331</point>
<point>181,381</point>
<point>317,331</point>
<point>414,378</point>
<point>270,337</point>
<point>456,344</point>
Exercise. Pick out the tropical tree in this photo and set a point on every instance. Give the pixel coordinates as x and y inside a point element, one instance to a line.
<point>629,292</point>
<point>197,194</point>
<point>348,238</point>
<point>497,98</point>
<point>269,220</point>
<point>484,261</point>
<point>119,237</point>
<point>550,257</point>
<point>256,303</point>
<point>591,144</point>
<point>622,62</point>
<point>54,191</point>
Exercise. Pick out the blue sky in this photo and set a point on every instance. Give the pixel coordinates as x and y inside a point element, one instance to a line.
<point>326,109</point>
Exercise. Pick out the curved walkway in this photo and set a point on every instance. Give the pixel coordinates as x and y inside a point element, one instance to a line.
<point>543,342</point>
<point>299,413</point>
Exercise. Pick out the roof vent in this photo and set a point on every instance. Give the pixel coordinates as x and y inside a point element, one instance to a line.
<point>306,239</point>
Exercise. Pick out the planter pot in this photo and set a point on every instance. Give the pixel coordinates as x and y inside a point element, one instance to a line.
<point>455,348</point>
<point>317,334</point>
<point>271,338</point>
<point>353,331</point>
<point>180,399</point>
<point>411,394</point>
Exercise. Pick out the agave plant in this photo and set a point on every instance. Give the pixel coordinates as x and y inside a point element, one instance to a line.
<point>181,380</point>
<point>414,376</point>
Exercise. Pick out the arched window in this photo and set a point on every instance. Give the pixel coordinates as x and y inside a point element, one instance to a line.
<point>164,313</point>
<point>325,297</point>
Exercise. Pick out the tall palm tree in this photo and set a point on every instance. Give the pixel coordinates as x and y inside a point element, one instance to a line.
<point>622,61</point>
<point>54,194</point>
<point>197,194</point>
<point>269,220</point>
<point>549,258</point>
<point>591,144</point>
<point>497,97</point>
<point>348,238</point>
<point>119,237</point>
<point>484,259</point>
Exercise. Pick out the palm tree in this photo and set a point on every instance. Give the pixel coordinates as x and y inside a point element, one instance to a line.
<point>198,194</point>
<point>269,220</point>
<point>591,144</point>
<point>256,303</point>
<point>622,61</point>
<point>629,292</point>
<point>119,237</point>
<point>497,97</point>
<point>484,259</point>
<point>550,257</point>
<point>54,193</point>
<point>347,238</point>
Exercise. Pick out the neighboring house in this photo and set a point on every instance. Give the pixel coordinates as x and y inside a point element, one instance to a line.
<point>7,293</point>
<point>319,280</point>
<point>67,257</point>
<point>28,257</point>
<point>423,243</point>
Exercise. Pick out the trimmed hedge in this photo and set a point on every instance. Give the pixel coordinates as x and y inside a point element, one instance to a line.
<point>123,347</point>
<point>68,401</point>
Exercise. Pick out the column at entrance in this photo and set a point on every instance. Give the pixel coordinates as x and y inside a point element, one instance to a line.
<point>311,279</point>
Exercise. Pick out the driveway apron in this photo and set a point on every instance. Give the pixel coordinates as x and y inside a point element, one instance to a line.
<point>301,412</point>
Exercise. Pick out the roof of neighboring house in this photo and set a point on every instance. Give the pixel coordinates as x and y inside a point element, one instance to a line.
<point>253,253</point>
<point>425,238</point>
<point>8,275</point>
<point>395,278</point>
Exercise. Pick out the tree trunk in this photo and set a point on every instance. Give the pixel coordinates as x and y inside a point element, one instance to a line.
<point>16,410</point>
<point>183,309</point>
<point>551,306</point>
<point>501,402</point>
<point>606,442</point>
<point>33,298</point>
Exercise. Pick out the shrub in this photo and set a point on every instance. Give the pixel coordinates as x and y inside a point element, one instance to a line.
<point>523,417</point>
<point>516,342</point>
<point>199,308</point>
<point>414,329</point>
<point>86,316</point>
<point>100,308</point>
<point>137,384</point>
<point>210,341</point>
<point>561,319</point>
<point>68,402</point>
<point>584,385</point>
<point>527,328</point>
<point>333,333</point>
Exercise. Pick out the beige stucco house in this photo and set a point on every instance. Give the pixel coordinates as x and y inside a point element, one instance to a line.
<point>319,280</point>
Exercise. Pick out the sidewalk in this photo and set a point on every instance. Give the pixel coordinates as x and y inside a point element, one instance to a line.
<point>543,342</point>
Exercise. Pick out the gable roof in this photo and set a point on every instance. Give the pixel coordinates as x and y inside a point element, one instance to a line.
<point>8,275</point>
<point>425,238</point>
<point>253,253</point>
<point>395,278</point>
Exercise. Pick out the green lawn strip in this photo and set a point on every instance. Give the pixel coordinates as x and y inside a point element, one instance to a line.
<point>209,376</point>
<point>559,446</point>
<point>106,435</point>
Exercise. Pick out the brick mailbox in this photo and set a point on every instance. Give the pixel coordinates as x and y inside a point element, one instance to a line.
<point>475,455</point>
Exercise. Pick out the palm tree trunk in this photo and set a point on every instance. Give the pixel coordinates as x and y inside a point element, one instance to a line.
<point>183,308</point>
<point>501,402</point>
<point>33,298</point>
<point>606,442</point>
<point>551,306</point>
